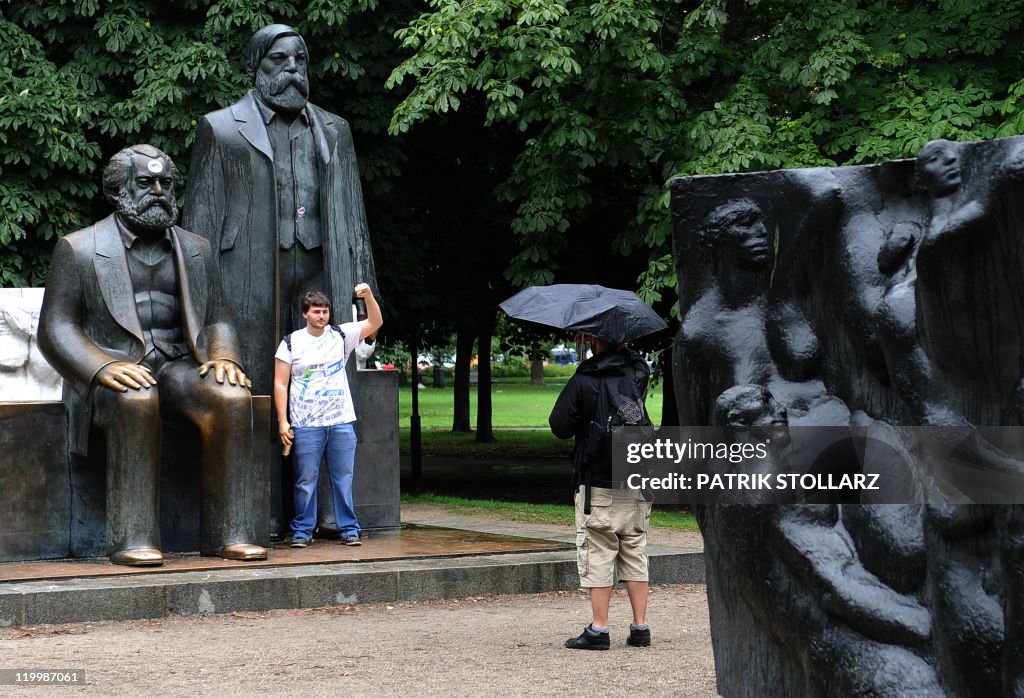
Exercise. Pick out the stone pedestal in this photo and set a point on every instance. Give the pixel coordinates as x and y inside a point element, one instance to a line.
<point>35,489</point>
<point>375,489</point>
<point>53,508</point>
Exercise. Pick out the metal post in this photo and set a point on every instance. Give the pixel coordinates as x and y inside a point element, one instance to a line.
<point>415,453</point>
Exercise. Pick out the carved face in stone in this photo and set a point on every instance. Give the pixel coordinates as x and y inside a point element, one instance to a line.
<point>753,409</point>
<point>938,167</point>
<point>281,78</point>
<point>147,197</point>
<point>737,229</point>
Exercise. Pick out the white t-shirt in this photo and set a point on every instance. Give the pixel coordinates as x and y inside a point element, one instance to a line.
<point>318,395</point>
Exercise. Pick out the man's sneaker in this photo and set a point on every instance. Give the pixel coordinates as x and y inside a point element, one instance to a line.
<point>589,640</point>
<point>639,638</point>
<point>353,540</point>
<point>299,542</point>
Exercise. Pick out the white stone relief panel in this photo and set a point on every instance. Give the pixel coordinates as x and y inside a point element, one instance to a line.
<point>24,374</point>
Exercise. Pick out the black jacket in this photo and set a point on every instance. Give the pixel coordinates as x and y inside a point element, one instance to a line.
<point>577,403</point>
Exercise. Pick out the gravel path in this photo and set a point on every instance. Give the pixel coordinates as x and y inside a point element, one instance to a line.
<point>480,646</point>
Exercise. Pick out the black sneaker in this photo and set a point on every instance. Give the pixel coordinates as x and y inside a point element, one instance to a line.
<point>589,640</point>
<point>298,542</point>
<point>352,540</point>
<point>639,638</point>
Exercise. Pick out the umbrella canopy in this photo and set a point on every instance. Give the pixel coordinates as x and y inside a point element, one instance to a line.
<point>607,313</point>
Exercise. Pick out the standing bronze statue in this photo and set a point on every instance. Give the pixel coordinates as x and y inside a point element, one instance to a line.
<point>135,321</point>
<point>275,187</point>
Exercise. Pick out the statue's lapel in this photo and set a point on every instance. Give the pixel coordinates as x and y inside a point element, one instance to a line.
<point>251,125</point>
<point>323,132</point>
<point>192,280</point>
<point>115,282</point>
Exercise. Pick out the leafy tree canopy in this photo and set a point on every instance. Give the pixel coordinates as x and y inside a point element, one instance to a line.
<point>620,95</point>
<point>80,79</point>
<point>583,110</point>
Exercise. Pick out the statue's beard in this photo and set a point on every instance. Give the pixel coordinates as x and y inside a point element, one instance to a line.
<point>284,92</point>
<point>152,212</point>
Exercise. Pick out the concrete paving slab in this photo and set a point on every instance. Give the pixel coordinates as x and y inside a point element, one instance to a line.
<point>508,566</point>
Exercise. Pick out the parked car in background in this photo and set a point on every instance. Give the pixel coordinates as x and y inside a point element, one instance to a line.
<point>564,355</point>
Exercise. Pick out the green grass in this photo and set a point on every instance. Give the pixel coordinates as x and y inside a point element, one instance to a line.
<point>515,405</point>
<point>513,444</point>
<point>561,514</point>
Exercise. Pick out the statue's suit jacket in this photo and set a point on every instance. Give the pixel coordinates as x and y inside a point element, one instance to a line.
<point>89,318</point>
<point>232,201</point>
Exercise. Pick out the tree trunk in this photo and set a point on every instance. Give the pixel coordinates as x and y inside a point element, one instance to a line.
<point>669,407</point>
<point>463,356</point>
<point>537,372</point>
<point>484,420</point>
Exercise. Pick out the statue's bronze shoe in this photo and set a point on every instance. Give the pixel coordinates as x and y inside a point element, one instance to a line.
<point>243,551</point>
<point>138,557</point>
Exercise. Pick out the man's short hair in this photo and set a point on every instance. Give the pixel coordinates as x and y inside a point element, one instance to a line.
<point>119,169</point>
<point>316,299</point>
<point>261,42</point>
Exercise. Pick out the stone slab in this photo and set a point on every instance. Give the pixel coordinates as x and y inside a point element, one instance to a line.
<point>411,541</point>
<point>35,514</point>
<point>260,589</point>
<point>375,483</point>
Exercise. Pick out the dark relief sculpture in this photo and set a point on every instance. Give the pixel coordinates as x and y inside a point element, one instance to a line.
<point>879,299</point>
<point>135,321</point>
<point>274,186</point>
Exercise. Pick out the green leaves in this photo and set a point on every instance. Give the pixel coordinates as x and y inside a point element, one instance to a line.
<point>122,31</point>
<point>493,47</point>
<point>80,79</point>
<point>634,91</point>
<point>593,86</point>
<point>595,103</point>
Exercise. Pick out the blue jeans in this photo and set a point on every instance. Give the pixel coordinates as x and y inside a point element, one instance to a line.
<point>339,443</point>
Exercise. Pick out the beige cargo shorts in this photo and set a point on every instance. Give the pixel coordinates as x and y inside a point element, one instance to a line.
<point>611,542</point>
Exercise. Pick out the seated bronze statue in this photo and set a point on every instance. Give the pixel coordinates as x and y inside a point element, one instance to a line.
<point>135,321</point>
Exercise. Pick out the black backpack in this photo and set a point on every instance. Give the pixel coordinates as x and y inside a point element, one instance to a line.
<point>620,404</point>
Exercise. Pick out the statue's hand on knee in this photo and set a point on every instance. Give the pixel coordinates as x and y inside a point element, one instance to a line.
<point>226,369</point>
<point>121,375</point>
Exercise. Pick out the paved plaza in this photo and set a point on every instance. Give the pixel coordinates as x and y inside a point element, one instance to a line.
<point>477,646</point>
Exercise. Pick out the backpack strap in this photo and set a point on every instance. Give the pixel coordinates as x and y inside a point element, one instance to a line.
<point>337,328</point>
<point>581,476</point>
<point>586,491</point>
<point>595,440</point>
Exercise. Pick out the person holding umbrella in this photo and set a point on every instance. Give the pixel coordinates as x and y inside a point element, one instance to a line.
<point>608,389</point>
<point>611,519</point>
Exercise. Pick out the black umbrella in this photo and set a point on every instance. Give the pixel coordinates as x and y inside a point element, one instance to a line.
<point>606,313</point>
